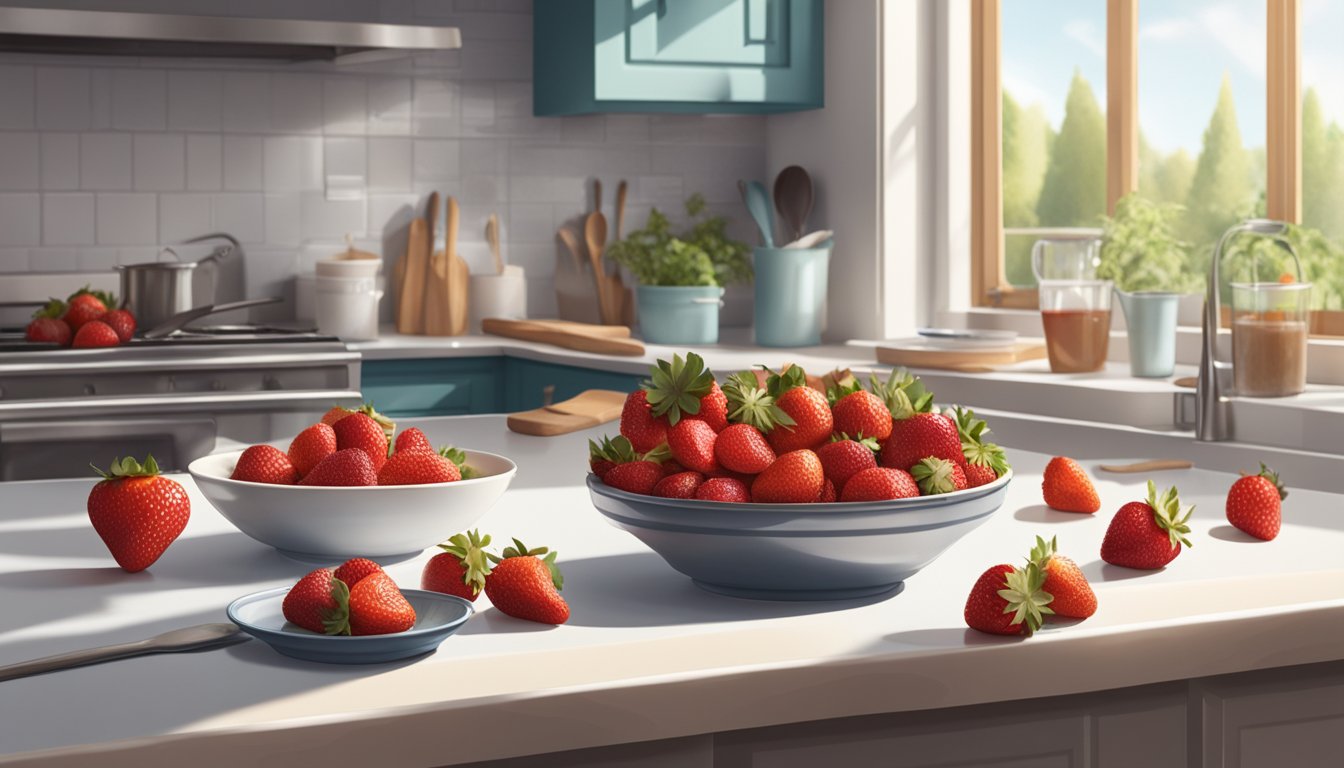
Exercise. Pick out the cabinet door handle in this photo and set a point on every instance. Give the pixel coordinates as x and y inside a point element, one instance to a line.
<point>547,395</point>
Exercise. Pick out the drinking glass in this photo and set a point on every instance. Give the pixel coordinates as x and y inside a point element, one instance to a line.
<point>1076,316</point>
<point>1269,338</point>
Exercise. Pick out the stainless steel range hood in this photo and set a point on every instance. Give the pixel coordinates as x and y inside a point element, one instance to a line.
<point>104,33</point>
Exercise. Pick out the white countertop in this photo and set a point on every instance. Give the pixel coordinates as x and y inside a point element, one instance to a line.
<point>646,654</point>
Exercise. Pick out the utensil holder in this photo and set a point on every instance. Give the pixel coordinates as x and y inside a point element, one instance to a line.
<point>1150,321</point>
<point>499,295</point>
<point>790,306</point>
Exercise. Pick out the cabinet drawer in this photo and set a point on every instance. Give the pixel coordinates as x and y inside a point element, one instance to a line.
<point>526,380</point>
<point>443,387</point>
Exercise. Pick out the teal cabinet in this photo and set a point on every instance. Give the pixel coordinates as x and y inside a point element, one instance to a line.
<point>525,382</point>
<point>693,56</point>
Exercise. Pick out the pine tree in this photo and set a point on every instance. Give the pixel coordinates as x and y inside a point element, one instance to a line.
<point>1222,190</point>
<point>1322,170</point>
<point>1026,151</point>
<point>1074,191</point>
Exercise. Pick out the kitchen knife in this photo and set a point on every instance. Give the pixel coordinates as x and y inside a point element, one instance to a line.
<point>197,638</point>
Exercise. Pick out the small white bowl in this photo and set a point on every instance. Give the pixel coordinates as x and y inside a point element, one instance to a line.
<point>315,523</point>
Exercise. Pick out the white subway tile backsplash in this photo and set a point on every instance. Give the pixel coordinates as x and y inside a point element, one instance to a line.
<point>205,169</point>
<point>531,222</point>
<point>241,215</point>
<point>628,129</point>
<point>345,157</point>
<point>127,219</point>
<point>139,100</point>
<point>332,219</point>
<point>345,106</point>
<point>436,107</point>
<point>99,259</point>
<point>100,102</point>
<point>183,216</point>
<point>389,164</point>
<point>283,216</point>
<point>160,162</point>
<point>246,102</point>
<point>63,102</point>
<point>67,219</point>
<point>20,219</point>
<point>292,163</point>
<point>389,107</point>
<point>296,103</point>
<point>105,161</point>
<point>54,259</point>
<point>389,215</point>
<point>243,159</point>
<point>13,260</point>
<point>435,160</point>
<point>17,94</point>
<point>60,161</point>
<point>20,161</point>
<point>195,100</point>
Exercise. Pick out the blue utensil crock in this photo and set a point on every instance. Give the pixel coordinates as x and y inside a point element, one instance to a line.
<point>790,295</point>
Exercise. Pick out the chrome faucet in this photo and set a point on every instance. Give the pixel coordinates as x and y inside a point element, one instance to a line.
<point>1213,416</point>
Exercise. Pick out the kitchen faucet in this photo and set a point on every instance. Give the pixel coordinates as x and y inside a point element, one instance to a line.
<point>1213,416</point>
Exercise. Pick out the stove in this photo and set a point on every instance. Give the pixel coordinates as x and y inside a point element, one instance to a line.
<point>62,408</point>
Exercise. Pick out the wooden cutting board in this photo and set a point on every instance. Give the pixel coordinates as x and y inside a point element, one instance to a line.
<point>411,291</point>
<point>576,336</point>
<point>915,355</point>
<point>586,409</point>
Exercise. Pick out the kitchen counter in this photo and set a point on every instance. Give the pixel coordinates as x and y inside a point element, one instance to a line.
<point>645,656</point>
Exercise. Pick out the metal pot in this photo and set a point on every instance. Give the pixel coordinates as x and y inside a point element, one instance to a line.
<point>157,290</point>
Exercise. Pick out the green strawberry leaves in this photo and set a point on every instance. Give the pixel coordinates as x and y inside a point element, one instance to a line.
<point>1273,478</point>
<point>972,431</point>
<point>749,403</point>
<point>675,388</point>
<point>337,621</point>
<point>459,458</point>
<point>934,475</point>
<point>1169,515</point>
<point>903,393</point>
<point>519,549</point>
<point>469,548</point>
<point>129,467</point>
<point>617,450</point>
<point>1026,600</point>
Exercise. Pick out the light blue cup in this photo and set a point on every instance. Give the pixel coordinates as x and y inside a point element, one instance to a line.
<point>1150,318</point>
<point>790,295</point>
<point>679,314</point>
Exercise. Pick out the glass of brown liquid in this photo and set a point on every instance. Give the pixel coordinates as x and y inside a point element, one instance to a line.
<point>1076,315</point>
<point>1269,338</point>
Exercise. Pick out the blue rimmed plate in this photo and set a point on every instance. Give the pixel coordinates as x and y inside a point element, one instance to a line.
<point>436,617</point>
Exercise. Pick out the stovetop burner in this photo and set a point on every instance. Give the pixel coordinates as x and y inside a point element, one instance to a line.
<point>12,339</point>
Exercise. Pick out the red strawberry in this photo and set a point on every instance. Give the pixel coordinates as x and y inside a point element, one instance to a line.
<point>985,461</point>
<point>95,333</point>
<point>939,476</point>
<point>122,322</point>
<point>634,476</point>
<point>682,485</point>
<point>360,431</point>
<point>714,408</point>
<point>979,474</point>
<point>354,570</point>
<point>265,464</point>
<point>879,484</point>
<point>461,568</point>
<point>828,493</point>
<point>862,413</point>
<point>137,512</point>
<point>843,459</point>
<point>1254,504</point>
<point>812,419</point>
<point>526,586</point>
<point>638,424</point>
<point>607,454</point>
<point>1008,601</point>
<point>310,447</point>
<point>723,489</point>
<point>377,607</point>
<point>1067,488</point>
<point>83,308</point>
<point>692,445</point>
<point>742,448</point>
<point>409,439</point>
<point>1149,534</point>
<point>680,389</point>
<point>318,603</point>
<point>335,414</point>
<point>343,468</point>
<point>49,330</point>
<point>918,437</point>
<point>1064,581</point>
<point>795,478</point>
<point>417,467</point>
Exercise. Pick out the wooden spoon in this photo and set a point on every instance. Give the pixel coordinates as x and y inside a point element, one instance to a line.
<point>571,241</point>
<point>595,233</point>
<point>492,237</point>
<point>620,210</point>
<point>793,199</point>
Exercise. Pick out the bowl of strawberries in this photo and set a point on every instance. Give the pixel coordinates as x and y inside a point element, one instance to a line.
<point>775,487</point>
<point>352,480</point>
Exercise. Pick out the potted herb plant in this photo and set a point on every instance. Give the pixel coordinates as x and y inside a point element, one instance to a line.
<point>681,276</point>
<point>1141,254</point>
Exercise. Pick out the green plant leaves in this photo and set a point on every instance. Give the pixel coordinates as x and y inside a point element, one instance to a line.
<point>702,255</point>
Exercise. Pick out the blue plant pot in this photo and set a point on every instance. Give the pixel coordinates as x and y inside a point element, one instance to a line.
<point>679,314</point>
<point>790,295</point>
<point>1150,318</point>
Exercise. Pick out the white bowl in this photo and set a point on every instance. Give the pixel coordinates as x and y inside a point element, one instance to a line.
<point>316,523</point>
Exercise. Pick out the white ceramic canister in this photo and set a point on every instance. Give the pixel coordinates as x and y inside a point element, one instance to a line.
<point>497,295</point>
<point>347,307</point>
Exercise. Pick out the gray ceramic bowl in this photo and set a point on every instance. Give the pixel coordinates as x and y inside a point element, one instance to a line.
<point>799,551</point>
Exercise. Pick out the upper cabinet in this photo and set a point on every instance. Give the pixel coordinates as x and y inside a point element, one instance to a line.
<point>698,56</point>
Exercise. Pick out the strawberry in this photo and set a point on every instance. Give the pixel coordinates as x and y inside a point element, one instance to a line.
<point>265,464</point>
<point>1254,504</point>
<point>903,393</point>
<point>795,478</point>
<point>335,414</point>
<point>844,458</point>
<point>723,489</point>
<point>1067,488</point>
<point>638,424</point>
<point>1008,601</point>
<point>318,603</point>
<point>459,459</point>
<point>692,444</point>
<point>811,414</point>
<point>1149,534</point>
<point>310,447</point>
<point>862,413</point>
<point>348,467</point>
<point>879,484</point>
<point>137,512</point>
<point>714,408</point>
<point>377,607</point>
<point>526,586</point>
<point>681,388</point>
<point>354,570</point>
<point>985,461</point>
<point>83,308</point>
<point>49,330</point>
<point>742,448</point>
<point>1064,581</point>
<point>921,436</point>
<point>417,467</point>
<point>412,438</point>
<point>750,402</point>
<point>359,430</point>
<point>634,476</point>
<point>122,322</point>
<point>939,476</point>
<point>682,485</point>
<point>95,333</point>
<point>828,494</point>
<point>607,454</point>
<point>461,568</point>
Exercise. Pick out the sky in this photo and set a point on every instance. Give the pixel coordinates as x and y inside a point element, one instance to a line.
<point>1186,47</point>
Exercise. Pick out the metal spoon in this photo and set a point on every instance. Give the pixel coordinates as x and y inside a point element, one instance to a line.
<point>176,322</point>
<point>758,204</point>
<point>195,638</point>
<point>793,199</point>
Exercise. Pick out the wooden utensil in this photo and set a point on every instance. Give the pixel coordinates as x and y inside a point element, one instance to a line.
<point>567,337</point>
<point>621,190</point>
<point>595,233</point>
<point>459,275</point>
<point>571,241</point>
<point>492,237</point>
<point>597,195</point>
<point>793,199</point>
<point>411,298</point>
<point>437,321</point>
<point>583,411</point>
<point>1155,465</point>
